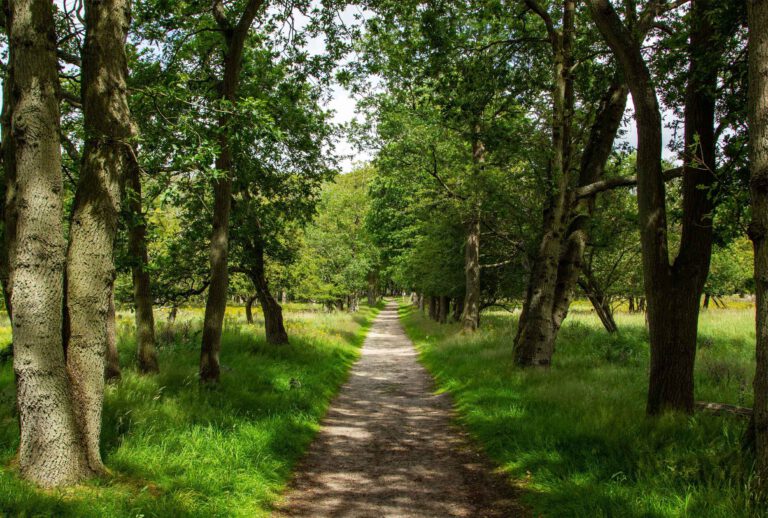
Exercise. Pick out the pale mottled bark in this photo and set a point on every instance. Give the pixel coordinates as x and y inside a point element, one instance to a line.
<point>50,449</point>
<point>758,156</point>
<point>90,261</point>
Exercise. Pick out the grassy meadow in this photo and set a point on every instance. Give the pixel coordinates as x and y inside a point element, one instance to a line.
<point>576,439</point>
<point>176,449</point>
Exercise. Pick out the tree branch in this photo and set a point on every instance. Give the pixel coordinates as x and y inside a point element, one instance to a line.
<point>614,183</point>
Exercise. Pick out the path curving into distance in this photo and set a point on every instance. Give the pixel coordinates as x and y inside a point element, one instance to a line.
<point>388,447</point>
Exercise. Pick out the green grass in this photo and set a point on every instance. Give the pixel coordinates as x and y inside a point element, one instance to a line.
<point>575,438</point>
<point>176,449</point>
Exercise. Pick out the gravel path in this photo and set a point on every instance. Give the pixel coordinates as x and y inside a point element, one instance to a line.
<point>388,447</point>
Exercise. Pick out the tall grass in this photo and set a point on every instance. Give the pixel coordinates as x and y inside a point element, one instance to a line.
<point>176,449</point>
<point>576,439</point>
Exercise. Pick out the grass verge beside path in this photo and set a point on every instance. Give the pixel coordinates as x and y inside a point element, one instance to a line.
<point>180,450</point>
<point>576,438</point>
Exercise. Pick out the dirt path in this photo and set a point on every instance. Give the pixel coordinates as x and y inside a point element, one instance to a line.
<point>388,449</point>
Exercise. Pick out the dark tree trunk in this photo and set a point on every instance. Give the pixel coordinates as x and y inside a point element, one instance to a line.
<point>758,230</point>
<point>172,314</point>
<point>706,301</point>
<point>458,308</point>
<point>433,307</point>
<point>471,316</point>
<point>112,370</point>
<point>673,291</point>
<point>632,304</point>
<point>216,302</point>
<point>7,194</point>
<point>146,351</point>
<point>249,308</point>
<point>445,303</point>
<point>273,313</point>
<point>599,302</point>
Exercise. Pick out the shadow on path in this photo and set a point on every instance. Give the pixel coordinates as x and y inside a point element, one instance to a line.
<point>388,448</point>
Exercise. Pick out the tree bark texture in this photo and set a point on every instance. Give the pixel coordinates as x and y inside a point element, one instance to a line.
<point>557,265</point>
<point>216,302</point>
<point>90,257</point>
<point>51,452</point>
<point>146,349</point>
<point>758,156</point>
<point>673,291</point>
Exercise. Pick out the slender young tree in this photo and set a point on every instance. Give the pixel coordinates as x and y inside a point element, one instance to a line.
<point>234,42</point>
<point>758,230</point>
<point>142,284</point>
<point>51,451</point>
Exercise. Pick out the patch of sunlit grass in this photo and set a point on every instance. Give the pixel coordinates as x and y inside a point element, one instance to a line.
<point>576,437</point>
<point>177,449</point>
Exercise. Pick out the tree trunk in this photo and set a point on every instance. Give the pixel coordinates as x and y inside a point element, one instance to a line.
<point>445,303</point>
<point>672,291</point>
<point>433,307</point>
<point>216,302</point>
<point>90,265</point>
<point>146,351</point>
<point>599,302</point>
<point>458,308</point>
<point>249,308</point>
<point>172,314</point>
<point>51,452</point>
<point>471,316</point>
<point>706,301</point>
<point>112,369</point>
<point>273,313</point>
<point>557,265</point>
<point>758,230</point>
<point>7,194</point>
<point>631,308</point>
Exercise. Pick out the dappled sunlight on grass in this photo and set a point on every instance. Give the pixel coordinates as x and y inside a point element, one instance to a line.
<point>176,449</point>
<point>576,436</point>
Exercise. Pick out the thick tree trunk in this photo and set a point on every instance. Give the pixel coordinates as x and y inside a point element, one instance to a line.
<point>146,352</point>
<point>557,265</point>
<point>51,452</point>
<point>673,291</point>
<point>112,368</point>
<point>90,265</point>
<point>249,308</point>
<point>758,231</point>
<point>216,302</point>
